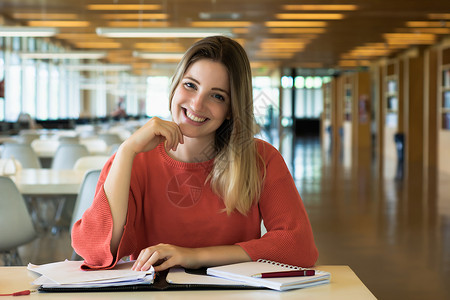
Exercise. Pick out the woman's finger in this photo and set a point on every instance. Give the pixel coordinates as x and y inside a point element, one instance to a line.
<point>142,258</point>
<point>154,258</point>
<point>164,265</point>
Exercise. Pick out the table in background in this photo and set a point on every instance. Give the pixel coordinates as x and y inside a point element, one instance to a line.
<point>39,182</point>
<point>344,285</point>
<point>47,186</point>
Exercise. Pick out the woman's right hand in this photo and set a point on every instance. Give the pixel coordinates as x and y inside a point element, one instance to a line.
<point>153,133</point>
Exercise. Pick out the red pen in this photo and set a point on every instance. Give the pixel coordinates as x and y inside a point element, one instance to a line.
<point>292,273</point>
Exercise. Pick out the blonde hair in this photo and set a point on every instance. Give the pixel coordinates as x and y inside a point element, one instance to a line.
<point>238,169</point>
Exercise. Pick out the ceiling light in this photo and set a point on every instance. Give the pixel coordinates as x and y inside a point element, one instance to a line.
<point>296,30</point>
<point>98,45</point>
<point>334,7</point>
<point>77,36</point>
<point>45,16</point>
<point>296,24</point>
<point>309,16</point>
<point>439,16</point>
<point>59,23</point>
<point>134,16</point>
<point>158,55</point>
<point>241,30</point>
<point>27,31</point>
<point>229,24</point>
<point>427,24</point>
<point>118,7</point>
<point>160,32</point>
<point>160,46</point>
<point>63,55</point>
<point>138,24</point>
<point>426,30</point>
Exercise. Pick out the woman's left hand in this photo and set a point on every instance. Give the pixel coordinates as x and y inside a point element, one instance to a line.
<point>164,256</point>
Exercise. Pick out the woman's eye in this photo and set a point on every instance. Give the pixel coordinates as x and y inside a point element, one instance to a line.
<point>189,85</point>
<point>220,97</point>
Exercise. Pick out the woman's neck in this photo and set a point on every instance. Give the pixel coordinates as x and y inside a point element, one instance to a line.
<point>194,150</point>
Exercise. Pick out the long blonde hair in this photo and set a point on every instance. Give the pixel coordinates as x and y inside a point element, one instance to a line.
<point>238,169</point>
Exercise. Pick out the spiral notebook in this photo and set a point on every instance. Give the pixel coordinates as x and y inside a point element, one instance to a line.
<point>243,272</point>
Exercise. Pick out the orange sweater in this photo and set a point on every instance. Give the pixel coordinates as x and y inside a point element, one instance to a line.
<point>169,203</point>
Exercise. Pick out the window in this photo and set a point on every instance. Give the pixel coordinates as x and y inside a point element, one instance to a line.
<point>12,88</point>
<point>53,92</point>
<point>29,93</point>
<point>73,97</point>
<point>63,95</point>
<point>42,82</point>
<point>158,96</point>
<point>266,101</point>
<point>309,97</point>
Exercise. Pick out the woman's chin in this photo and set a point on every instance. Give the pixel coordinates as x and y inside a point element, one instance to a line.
<point>193,132</point>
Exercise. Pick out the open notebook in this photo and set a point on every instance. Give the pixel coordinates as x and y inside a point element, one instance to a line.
<point>243,272</point>
<point>67,276</point>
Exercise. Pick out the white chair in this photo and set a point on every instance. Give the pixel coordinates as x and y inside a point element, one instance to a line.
<point>68,139</point>
<point>9,166</point>
<point>113,149</point>
<point>65,159</point>
<point>84,198</point>
<point>27,137</point>
<point>67,154</point>
<point>16,226</point>
<point>23,153</point>
<point>110,138</point>
<point>45,147</point>
<point>90,162</point>
<point>95,145</point>
<point>121,131</point>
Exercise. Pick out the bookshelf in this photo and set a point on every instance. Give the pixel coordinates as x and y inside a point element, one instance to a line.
<point>391,105</point>
<point>391,101</point>
<point>445,107</point>
<point>327,98</point>
<point>348,102</point>
<point>391,94</point>
<point>326,128</point>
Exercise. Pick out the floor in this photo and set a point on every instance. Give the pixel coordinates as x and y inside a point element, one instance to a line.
<point>394,233</point>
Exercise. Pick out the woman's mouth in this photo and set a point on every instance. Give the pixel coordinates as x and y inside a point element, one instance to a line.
<point>194,118</point>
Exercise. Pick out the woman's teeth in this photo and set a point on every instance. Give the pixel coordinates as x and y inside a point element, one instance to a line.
<point>194,118</point>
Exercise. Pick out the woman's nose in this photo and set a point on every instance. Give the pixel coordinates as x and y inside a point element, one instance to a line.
<point>198,102</point>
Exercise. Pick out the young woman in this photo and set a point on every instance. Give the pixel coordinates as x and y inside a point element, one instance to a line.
<point>193,191</point>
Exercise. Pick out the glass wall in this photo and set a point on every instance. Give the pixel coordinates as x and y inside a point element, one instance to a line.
<point>41,88</point>
<point>308,96</point>
<point>51,89</point>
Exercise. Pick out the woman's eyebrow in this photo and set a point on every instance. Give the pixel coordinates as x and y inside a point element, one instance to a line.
<point>214,89</point>
<point>221,90</point>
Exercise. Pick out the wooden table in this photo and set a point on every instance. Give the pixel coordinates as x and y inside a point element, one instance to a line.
<point>344,285</point>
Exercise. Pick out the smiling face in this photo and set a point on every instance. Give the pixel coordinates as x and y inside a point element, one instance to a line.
<point>201,101</point>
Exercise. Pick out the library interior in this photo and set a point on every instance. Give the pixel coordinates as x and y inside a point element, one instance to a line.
<point>355,95</point>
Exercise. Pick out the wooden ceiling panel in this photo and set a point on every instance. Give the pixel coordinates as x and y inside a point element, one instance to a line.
<point>325,47</point>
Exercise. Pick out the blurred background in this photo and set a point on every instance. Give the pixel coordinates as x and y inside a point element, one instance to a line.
<point>354,94</point>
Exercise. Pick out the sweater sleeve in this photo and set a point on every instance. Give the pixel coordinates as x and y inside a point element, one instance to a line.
<point>91,235</point>
<point>289,238</point>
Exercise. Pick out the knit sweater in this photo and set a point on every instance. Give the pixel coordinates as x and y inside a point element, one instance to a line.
<point>170,203</point>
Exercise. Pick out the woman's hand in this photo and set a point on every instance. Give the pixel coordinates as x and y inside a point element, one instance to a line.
<point>164,256</point>
<point>153,133</point>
